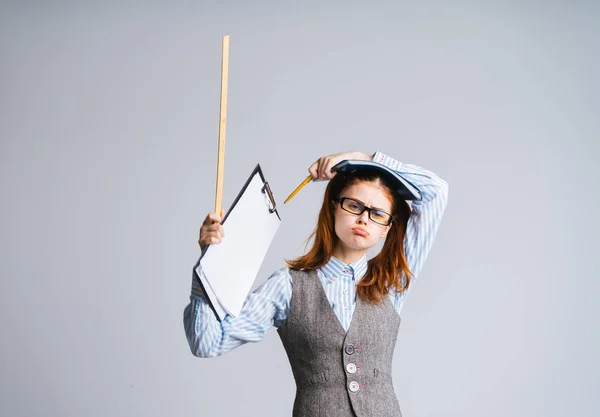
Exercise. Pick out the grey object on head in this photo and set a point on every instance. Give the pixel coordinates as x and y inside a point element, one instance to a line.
<point>404,188</point>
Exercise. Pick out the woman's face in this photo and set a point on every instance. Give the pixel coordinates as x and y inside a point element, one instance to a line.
<point>359,232</point>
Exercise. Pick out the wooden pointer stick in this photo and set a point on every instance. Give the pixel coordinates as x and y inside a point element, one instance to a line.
<point>222,123</point>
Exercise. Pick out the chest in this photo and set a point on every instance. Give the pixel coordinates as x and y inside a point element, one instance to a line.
<point>323,311</point>
<point>341,294</point>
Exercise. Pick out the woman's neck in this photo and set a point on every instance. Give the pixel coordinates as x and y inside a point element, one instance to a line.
<point>348,256</point>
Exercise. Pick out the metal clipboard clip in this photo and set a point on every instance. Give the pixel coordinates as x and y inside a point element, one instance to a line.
<point>269,199</point>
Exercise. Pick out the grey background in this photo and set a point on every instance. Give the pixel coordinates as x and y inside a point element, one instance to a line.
<point>108,126</point>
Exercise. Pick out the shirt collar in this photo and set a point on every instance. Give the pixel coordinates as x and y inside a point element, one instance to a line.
<point>336,268</point>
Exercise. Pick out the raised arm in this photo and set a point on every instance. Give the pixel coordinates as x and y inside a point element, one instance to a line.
<point>265,307</point>
<point>426,215</point>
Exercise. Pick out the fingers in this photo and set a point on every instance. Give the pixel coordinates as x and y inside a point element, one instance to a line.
<point>211,231</point>
<point>313,170</point>
<point>212,218</point>
<point>321,168</point>
<point>329,163</point>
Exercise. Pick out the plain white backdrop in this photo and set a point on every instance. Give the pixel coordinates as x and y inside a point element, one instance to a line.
<point>108,127</point>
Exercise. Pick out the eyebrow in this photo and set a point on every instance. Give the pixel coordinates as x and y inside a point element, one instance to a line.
<point>376,208</point>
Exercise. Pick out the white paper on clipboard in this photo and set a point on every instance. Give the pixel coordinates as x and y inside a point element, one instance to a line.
<point>227,270</point>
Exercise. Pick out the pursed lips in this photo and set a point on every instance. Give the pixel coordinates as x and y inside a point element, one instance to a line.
<point>360,231</point>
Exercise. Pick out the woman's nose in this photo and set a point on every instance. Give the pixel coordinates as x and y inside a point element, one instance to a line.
<point>364,217</point>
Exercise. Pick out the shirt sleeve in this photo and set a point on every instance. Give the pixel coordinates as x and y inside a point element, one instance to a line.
<point>265,307</point>
<point>425,217</point>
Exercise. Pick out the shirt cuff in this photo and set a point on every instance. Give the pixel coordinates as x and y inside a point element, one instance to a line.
<point>387,161</point>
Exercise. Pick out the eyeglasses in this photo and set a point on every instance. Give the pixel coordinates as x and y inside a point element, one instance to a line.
<point>356,207</point>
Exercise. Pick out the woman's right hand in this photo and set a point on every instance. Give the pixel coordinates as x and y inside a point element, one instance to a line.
<point>211,231</point>
<point>321,168</point>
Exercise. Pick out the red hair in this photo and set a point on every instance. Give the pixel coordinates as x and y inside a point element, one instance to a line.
<point>385,269</point>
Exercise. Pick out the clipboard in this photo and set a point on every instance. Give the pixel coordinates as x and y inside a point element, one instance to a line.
<point>226,271</point>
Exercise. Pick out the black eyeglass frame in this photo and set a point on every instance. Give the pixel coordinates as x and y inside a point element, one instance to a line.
<point>369,209</point>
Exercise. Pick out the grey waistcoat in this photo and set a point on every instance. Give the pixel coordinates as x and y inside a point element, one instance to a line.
<point>339,374</point>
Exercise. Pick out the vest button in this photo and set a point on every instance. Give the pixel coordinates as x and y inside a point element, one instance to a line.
<point>353,386</point>
<point>350,349</point>
<point>351,368</point>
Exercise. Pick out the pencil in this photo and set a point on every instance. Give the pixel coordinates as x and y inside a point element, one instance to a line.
<point>298,188</point>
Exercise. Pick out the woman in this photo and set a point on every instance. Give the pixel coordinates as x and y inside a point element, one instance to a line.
<point>336,312</point>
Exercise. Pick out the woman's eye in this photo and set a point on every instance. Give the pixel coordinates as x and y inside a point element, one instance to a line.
<point>354,206</point>
<point>378,215</point>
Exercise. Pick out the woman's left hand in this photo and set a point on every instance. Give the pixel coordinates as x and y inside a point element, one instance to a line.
<point>321,168</point>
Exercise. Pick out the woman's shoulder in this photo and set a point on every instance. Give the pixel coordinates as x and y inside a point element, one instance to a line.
<point>282,273</point>
<point>286,273</point>
<point>280,281</point>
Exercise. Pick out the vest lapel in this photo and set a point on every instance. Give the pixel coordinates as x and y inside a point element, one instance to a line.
<point>330,311</point>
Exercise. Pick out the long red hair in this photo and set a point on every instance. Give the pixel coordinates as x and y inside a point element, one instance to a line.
<point>386,270</point>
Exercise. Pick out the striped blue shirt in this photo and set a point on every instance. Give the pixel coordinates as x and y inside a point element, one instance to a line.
<point>268,305</point>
